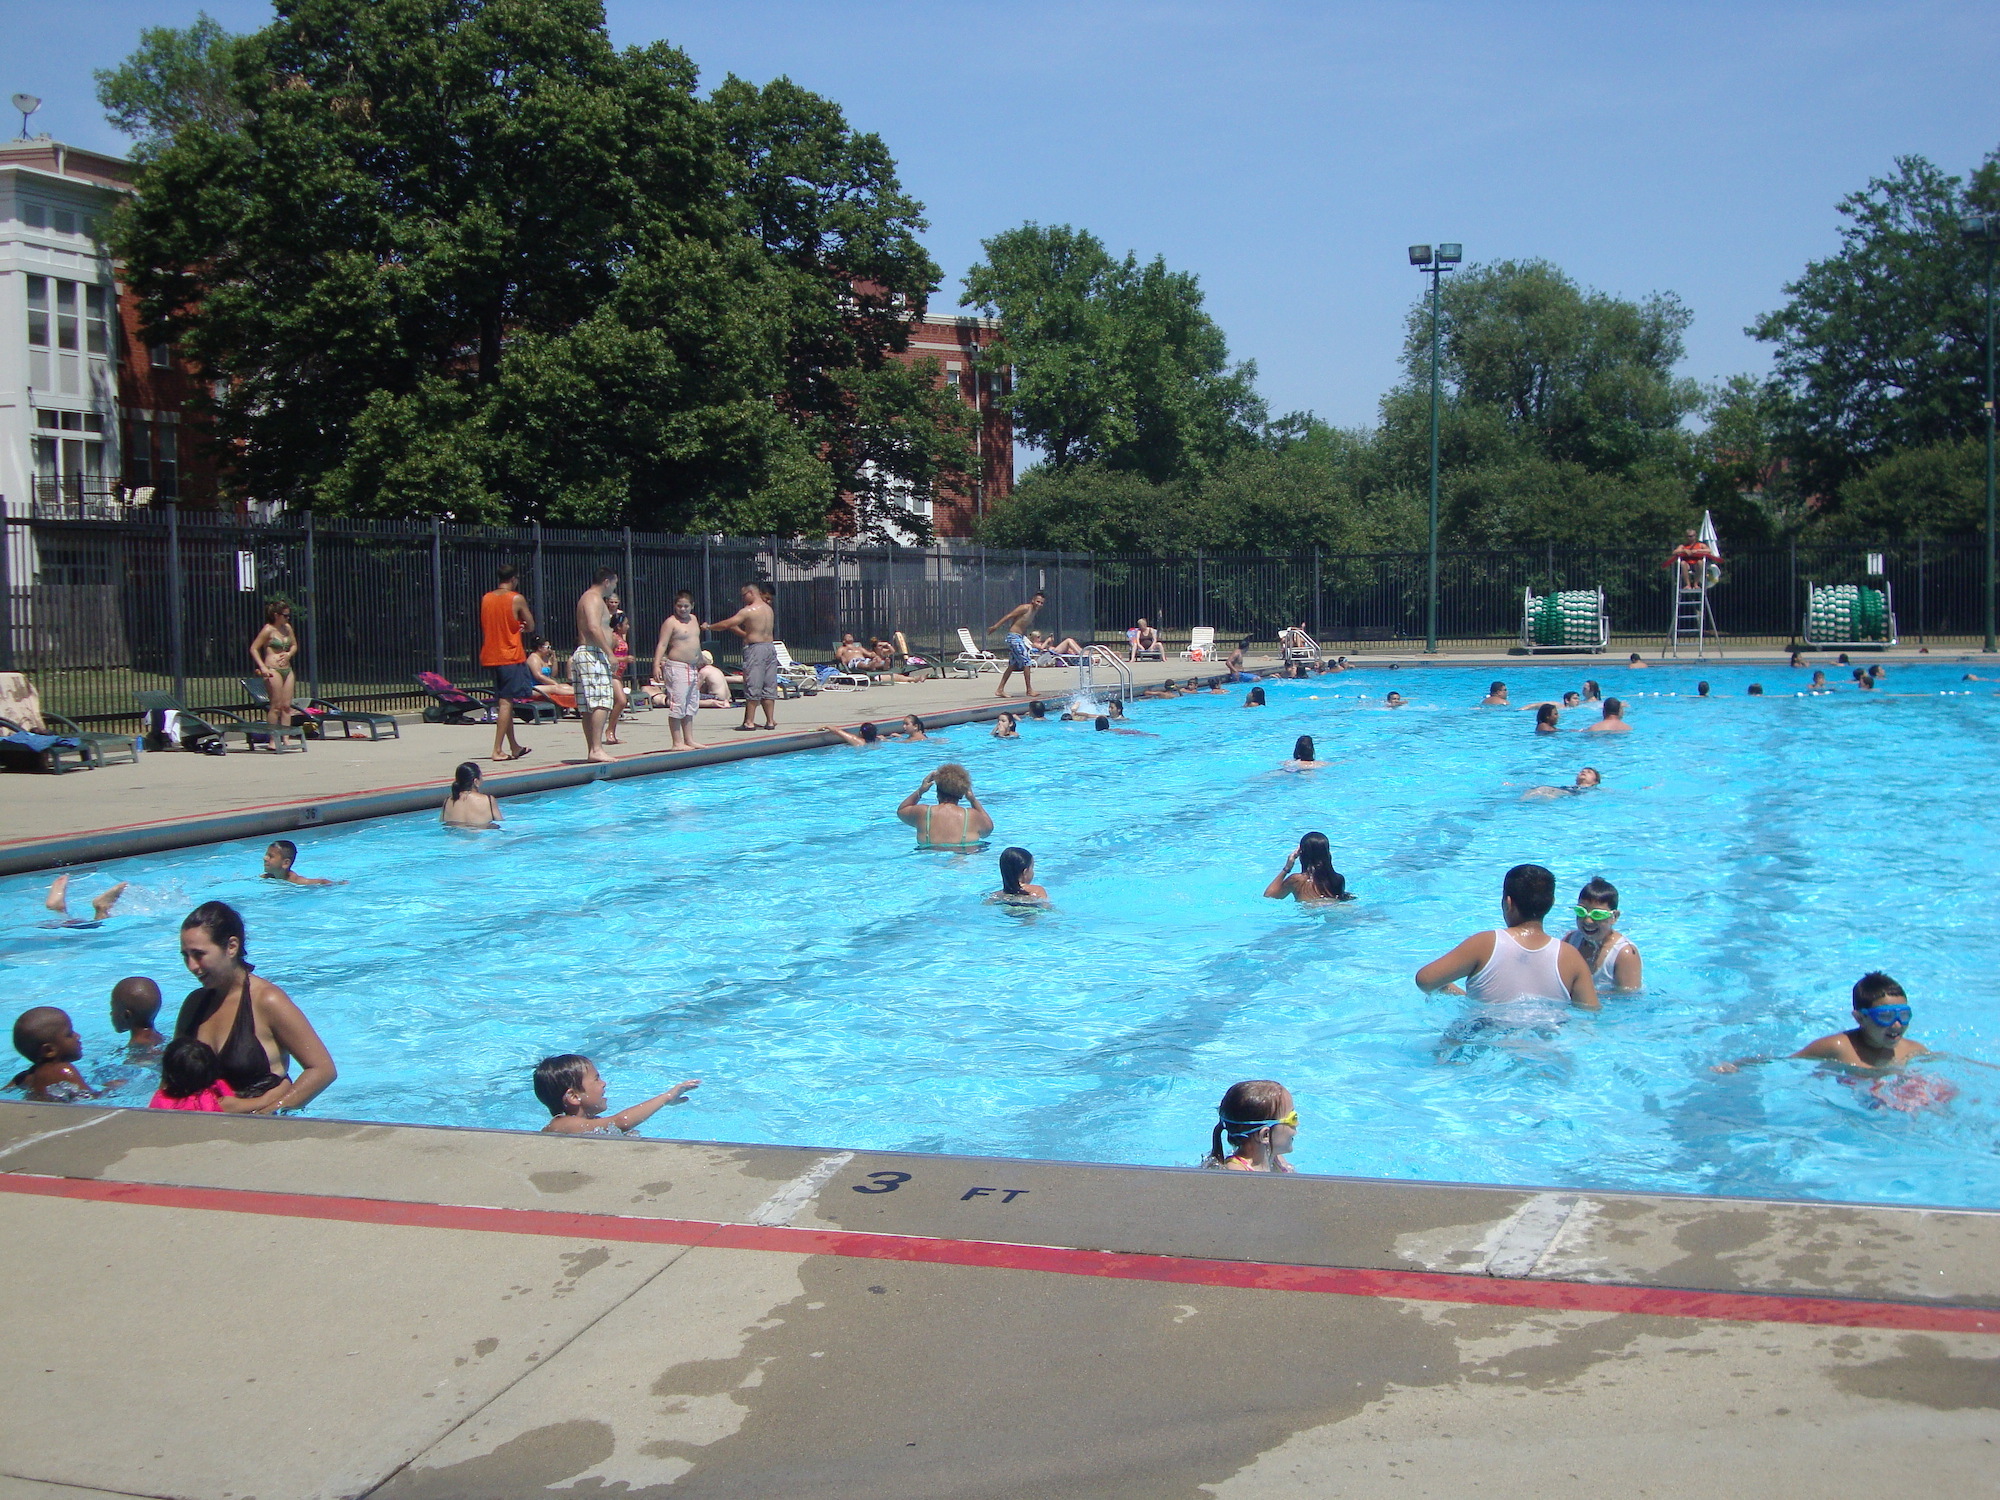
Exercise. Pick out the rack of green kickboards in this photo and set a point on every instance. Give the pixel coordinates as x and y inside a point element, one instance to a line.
<point>1840,616</point>
<point>1567,620</point>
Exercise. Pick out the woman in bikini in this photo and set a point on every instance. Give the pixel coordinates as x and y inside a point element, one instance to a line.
<point>467,806</point>
<point>947,824</point>
<point>271,653</point>
<point>253,1027</point>
<point>1316,880</point>
<point>541,666</point>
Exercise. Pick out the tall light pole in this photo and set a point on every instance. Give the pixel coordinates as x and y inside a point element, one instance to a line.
<point>1434,262</point>
<point>1984,229</point>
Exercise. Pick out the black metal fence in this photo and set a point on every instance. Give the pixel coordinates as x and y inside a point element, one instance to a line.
<point>96,609</point>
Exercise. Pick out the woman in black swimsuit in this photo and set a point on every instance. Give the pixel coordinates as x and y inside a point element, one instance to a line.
<point>253,1025</point>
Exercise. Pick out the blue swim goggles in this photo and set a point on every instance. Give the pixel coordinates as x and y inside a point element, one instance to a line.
<point>1886,1015</point>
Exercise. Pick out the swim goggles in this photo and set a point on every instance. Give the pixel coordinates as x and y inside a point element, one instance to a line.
<point>1245,1127</point>
<point>1886,1015</point>
<point>1593,914</point>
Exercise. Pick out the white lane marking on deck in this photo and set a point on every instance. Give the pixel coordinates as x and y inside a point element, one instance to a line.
<point>783,1206</point>
<point>49,1135</point>
<point>1526,1235</point>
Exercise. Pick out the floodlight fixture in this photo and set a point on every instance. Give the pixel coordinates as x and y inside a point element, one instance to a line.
<point>1420,255</point>
<point>1980,227</point>
<point>1450,255</point>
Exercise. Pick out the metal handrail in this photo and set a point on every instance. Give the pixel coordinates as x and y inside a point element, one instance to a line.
<point>1086,677</point>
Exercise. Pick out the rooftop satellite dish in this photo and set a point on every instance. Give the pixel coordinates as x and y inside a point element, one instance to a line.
<point>27,104</point>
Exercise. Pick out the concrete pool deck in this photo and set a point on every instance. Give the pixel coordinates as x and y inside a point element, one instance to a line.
<point>224,1307</point>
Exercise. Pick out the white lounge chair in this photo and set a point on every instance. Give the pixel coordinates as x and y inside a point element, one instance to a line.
<point>1201,644</point>
<point>802,677</point>
<point>971,659</point>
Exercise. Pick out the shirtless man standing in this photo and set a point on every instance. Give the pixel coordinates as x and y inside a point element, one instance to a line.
<point>677,668</point>
<point>1020,652</point>
<point>756,623</point>
<point>590,668</point>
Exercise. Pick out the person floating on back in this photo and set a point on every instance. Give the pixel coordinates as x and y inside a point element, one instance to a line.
<point>1614,961</point>
<point>573,1091</point>
<point>45,1037</point>
<point>1878,1039</point>
<point>947,824</point>
<point>1586,779</point>
<point>1255,1126</point>
<point>279,858</point>
<point>1518,961</point>
<point>1316,880</point>
<point>1613,721</point>
<point>135,1006</point>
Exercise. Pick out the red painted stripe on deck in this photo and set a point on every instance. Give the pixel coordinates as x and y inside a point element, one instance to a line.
<point>1420,1286</point>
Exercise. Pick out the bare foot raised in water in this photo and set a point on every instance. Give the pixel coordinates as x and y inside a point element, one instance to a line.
<point>58,897</point>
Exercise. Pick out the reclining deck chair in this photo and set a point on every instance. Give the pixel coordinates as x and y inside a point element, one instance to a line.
<point>1201,644</point>
<point>318,711</point>
<point>194,725</point>
<point>972,659</point>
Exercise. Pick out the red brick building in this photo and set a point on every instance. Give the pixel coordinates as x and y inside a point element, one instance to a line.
<point>959,344</point>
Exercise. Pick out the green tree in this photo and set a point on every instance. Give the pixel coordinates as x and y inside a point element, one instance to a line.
<point>1114,362</point>
<point>824,202</point>
<point>175,79</point>
<point>1937,490</point>
<point>1879,345</point>
<point>1562,413</point>
<point>1744,474</point>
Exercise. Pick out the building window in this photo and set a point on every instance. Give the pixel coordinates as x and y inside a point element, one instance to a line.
<point>34,216</point>
<point>152,457</point>
<point>96,321</point>
<point>65,221</point>
<point>159,356</point>
<point>66,321</point>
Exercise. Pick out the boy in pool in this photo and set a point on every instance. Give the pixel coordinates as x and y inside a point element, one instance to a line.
<point>1878,1039</point>
<point>47,1039</point>
<point>135,1005</point>
<point>278,861</point>
<point>573,1090</point>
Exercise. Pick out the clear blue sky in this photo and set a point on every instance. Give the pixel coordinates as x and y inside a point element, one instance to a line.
<point>1288,153</point>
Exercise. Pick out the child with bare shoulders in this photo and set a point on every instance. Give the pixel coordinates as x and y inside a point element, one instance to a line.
<point>1316,880</point>
<point>573,1090</point>
<point>1548,719</point>
<point>912,728</point>
<point>1878,1039</point>
<point>1305,755</point>
<point>860,737</point>
<point>45,1036</point>
<point>1017,880</point>
<point>1614,961</point>
<point>1006,727</point>
<point>1258,1122</point>
<point>467,806</point>
<point>1394,700</point>
<point>279,858</point>
<point>1587,778</point>
<point>135,1006</point>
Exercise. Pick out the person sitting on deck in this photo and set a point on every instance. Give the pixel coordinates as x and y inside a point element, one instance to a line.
<point>947,824</point>
<point>1145,643</point>
<point>1519,960</point>
<point>541,664</point>
<point>712,684</point>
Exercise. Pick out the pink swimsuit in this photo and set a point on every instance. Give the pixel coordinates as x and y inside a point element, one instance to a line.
<point>209,1100</point>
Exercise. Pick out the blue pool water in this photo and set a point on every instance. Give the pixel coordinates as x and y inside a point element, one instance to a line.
<point>768,928</point>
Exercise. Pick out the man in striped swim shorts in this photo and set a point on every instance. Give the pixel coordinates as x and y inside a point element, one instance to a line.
<point>590,667</point>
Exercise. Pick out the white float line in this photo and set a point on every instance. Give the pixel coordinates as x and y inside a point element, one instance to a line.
<point>49,1135</point>
<point>1526,1235</point>
<point>783,1206</point>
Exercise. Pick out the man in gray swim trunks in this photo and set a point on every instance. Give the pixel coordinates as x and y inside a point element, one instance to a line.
<point>756,622</point>
<point>590,668</point>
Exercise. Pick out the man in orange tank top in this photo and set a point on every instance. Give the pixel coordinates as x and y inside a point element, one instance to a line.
<point>503,615</point>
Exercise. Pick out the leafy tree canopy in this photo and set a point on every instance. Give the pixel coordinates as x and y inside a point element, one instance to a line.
<point>1114,362</point>
<point>463,255</point>
<point>176,78</point>
<point>1879,347</point>
<point>1561,412</point>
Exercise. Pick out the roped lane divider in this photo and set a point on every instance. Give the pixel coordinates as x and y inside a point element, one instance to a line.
<point>1417,1286</point>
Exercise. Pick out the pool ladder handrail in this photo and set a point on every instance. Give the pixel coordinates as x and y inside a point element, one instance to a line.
<point>1086,675</point>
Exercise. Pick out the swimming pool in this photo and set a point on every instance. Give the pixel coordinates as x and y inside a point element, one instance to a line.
<point>768,928</point>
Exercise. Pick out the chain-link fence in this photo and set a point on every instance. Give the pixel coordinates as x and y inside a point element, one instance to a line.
<point>96,610</point>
